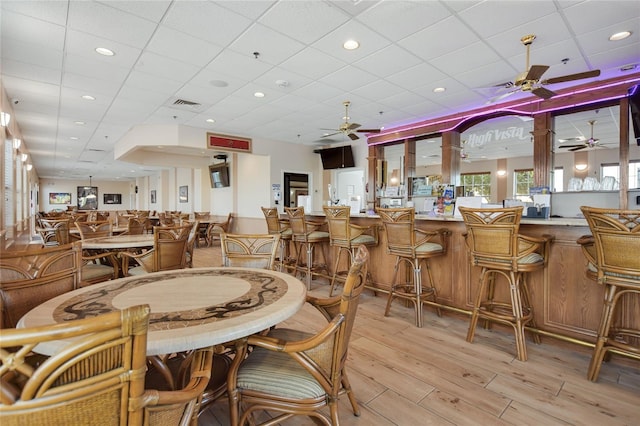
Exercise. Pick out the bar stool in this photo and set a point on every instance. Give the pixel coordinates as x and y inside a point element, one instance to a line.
<point>347,238</point>
<point>496,246</point>
<point>306,235</point>
<point>414,247</point>
<point>275,225</point>
<point>616,237</point>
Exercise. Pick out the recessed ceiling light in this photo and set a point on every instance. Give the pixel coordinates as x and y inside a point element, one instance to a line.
<point>73,138</point>
<point>439,89</point>
<point>218,83</point>
<point>104,51</point>
<point>620,36</point>
<point>351,44</point>
<point>210,120</point>
<point>88,98</point>
<point>259,95</point>
<point>80,123</point>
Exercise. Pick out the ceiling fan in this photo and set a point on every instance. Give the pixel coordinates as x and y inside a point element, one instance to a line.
<point>585,143</point>
<point>529,80</point>
<point>347,128</point>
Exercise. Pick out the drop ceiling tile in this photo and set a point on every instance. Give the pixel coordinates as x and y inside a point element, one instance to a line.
<point>83,45</point>
<point>615,58</point>
<point>313,63</point>
<point>348,78</point>
<point>398,19</point>
<point>250,9</point>
<point>268,80</point>
<point>182,47</point>
<point>491,18</point>
<point>318,92</point>
<point>152,63</point>
<point>388,61</point>
<point>50,11</point>
<point>30,72</point>
<point>151,10</point>
<point>30,30</point>
<point>29,53</point>
<point>94,69</point>
<point>107,22</point>
<point>416,75</point>
<point>400,99</point>
<point>486,75</point>
<point>378,89</point>
<point>273,47</point>
<point>304,21</point>
<point>244,67</point>
<point>151,82</point>
<point>476,53</point>
<point>370,42</point>
<point>585,16</point>
<point>597,41</point>
<point>450,33</point>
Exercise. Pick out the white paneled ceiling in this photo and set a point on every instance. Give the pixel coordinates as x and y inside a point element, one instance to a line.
<point>203,51</point>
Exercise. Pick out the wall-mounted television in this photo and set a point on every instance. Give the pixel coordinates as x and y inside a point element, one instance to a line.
<point>337,158</point>
<point>219,174</point>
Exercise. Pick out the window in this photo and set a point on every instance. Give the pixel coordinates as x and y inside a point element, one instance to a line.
<point>558,179</point>
<point>614,170</point>
<point>476,184</point>
<point>523,181</point>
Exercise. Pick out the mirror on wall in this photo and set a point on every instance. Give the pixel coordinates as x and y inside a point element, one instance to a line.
<point>429,157</point>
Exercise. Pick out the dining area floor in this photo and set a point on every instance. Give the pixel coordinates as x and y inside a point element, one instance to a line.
<point>404,375</point>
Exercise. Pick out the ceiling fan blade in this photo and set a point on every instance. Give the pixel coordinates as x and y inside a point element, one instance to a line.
<point>368,130</point>
<point>543,93</point>
<point>353,126</point>
<point>331,134</point>
<point>500,97</point>
<point>536,71</point>
<point>353,136</point>
<point>571,146</point>
<point>571,77</point>
<point>578,148</point>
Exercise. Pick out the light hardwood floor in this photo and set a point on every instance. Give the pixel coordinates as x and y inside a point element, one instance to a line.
<point>403,375</point>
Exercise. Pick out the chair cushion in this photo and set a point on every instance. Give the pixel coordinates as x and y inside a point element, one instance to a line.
<point>531,258</point>
<point>138,270</point>
<point>93,271</point>
<point>363,239</point>
<point>428,247</point>
<point>277,373</point>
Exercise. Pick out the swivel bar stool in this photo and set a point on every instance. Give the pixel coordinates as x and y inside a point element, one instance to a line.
<point>496,246</point>
<point>306,236</point>
<point>275,225</point>
<point>413,247</point>
<point>616,237</point>
<point>347,238</point>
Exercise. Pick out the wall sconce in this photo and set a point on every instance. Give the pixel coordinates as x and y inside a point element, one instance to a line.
<point>5,118</point>
<point>17,143</point>
<point>29,167</point>
<point>24,157</point>
<point>581,167</point>
<point>502,173</point>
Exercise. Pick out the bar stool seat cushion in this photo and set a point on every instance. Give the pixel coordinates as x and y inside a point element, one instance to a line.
<point>364,239</point>
<point>286,234</point>
<point>317,236</point>
<point>93,271</point>
<point>428,248</point>
<point>277,373</point>
<point>525,260</point>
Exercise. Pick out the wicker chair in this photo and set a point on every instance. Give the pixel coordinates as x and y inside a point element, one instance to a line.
<point>412,247</point>
<point>96,377</point>
<point>280,227</point>
<point>347,238</point>
<point>249,250</point>
<point>306,235</point>
<point>496,246</point>
<point>168,252</point>
<point>49,230</point>
<point>191,241</point>
<point>616,235</point>
<point>98,266</point>
<point>216,228</point>
<point>136,225</point>
<point>296,373</point>
<point>29,278</point>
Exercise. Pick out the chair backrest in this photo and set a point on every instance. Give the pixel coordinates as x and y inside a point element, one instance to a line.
<point>492,233</point>
<point>191,241</point>
<point>297,221</point>
<point>399,226</point>
<point>94,229</point>
<point>272,217</point>
<point>249,250</point>
<point>338,222</point>
<point>170,247</point>
<point>48,229</point>
<point>201,215</point>
<point>137,225</point>
<point>98,374</point>
<point>29,278</point>
<point>616,235</point>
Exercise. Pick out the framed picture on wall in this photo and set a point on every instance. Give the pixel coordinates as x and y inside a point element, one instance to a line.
<point>112,198</point>
<point>87,198</point>
<point>153,196</point>
<point>183,194</point>
<point>59,198</point>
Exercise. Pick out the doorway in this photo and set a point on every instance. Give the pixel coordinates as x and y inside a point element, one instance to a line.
<point>295,184</point>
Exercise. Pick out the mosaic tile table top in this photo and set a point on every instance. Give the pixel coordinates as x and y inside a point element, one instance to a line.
<point>190,308</point>
<point>119,242</point>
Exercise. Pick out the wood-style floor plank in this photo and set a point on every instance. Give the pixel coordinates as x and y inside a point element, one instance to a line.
<point>404,375</point>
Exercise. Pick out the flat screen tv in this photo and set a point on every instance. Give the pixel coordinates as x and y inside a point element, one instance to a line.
<point>219,174</point>
<point>337,158</point>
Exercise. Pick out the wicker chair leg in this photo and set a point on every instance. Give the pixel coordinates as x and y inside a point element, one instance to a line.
<point>434,292</point>
<point>518,313</point>
<point>476,307</point>
<point>391,296</point>
<point>352,397</point>
<point>603,333</point>
<point>417,285</point>
<point>526,300</point>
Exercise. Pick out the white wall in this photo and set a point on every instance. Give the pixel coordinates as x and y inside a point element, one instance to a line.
<point>125,188</point>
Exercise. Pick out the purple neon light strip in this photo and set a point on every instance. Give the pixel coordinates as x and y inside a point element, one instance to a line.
<point>513,108</point>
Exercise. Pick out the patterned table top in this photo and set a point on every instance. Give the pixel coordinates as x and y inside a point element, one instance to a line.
<point>119,242</point>
<point>190,308</point>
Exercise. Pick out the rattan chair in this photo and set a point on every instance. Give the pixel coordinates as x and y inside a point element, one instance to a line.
<point>496,246</point>
<point>216,228</point>
<point>616,235</point>
<point>51,230</point>
<point>293,372</point>
<point>137,225</point>
<point>249,250</point>
<point>98,266</point>
<point>191,241</point>
<point>412,247</point>
<point>347,238</point>
<point>306,236</point>
<point>94,229</point>
<point>169,252</point>
<point>95,377</point>
<point>29,278</point>
<point>275,225</point>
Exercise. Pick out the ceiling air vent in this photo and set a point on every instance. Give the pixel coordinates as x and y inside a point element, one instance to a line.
<point>179,102</point>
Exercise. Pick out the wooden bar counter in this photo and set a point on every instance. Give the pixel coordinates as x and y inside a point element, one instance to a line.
<point>566,303</point>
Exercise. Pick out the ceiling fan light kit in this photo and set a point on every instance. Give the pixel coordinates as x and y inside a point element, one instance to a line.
<point>347,128</point>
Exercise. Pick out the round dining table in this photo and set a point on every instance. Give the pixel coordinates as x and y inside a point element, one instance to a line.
<point>119,242</point>
<point>190,308</point>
